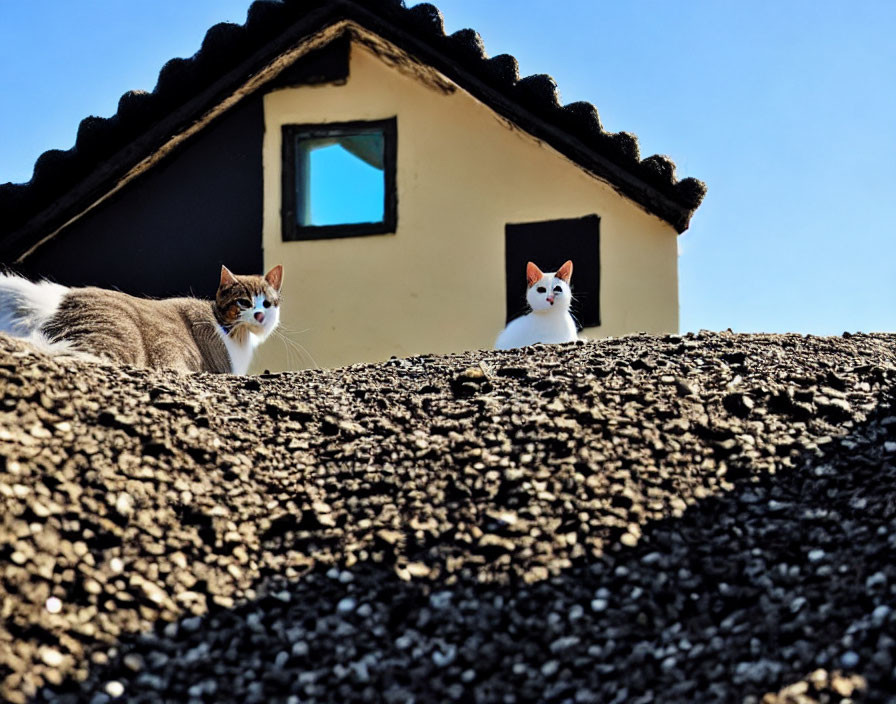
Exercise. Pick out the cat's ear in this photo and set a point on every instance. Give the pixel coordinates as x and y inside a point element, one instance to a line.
<point>564,273</point>
<point>275,277</point>
<point>533,274</point>
<point>227,278</point>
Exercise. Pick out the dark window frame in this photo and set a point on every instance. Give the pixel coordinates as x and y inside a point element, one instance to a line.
<point>541,241</point>
<point>291,230</point>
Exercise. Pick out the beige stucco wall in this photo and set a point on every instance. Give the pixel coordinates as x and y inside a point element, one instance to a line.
<point>437,285</point>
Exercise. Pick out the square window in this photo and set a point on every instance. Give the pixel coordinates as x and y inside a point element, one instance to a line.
<point>339,180</point>
<point>548,244</point>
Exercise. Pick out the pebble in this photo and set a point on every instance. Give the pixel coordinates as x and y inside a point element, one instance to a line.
<point>881,613</point>
<point>598,605</point>
<point>114,689</point>
<point>346,605</point>
<point>51,657</point>
<point>444,657</point>
<point>849,659</point>
<point>550,668</point>
<point>133,662</point>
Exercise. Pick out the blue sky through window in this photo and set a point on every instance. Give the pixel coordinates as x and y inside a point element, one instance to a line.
<point>344,189</point>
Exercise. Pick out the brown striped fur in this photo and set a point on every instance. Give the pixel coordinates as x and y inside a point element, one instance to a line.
<point>177,333</point>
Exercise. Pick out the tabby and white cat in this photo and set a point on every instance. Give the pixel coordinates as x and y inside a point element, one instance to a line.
<point>549,296</point>
<point>186,334</point>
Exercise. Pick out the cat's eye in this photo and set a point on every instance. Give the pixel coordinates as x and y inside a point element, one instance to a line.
<point>267,303</point>
<point>541,289</point>
<point>243,302</point>
<point>558,289</point>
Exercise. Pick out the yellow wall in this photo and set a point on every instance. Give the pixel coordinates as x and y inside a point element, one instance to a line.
<point>437,285</point>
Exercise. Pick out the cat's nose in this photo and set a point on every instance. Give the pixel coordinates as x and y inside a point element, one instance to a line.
<point>550,300</point>
<point>259,316</point>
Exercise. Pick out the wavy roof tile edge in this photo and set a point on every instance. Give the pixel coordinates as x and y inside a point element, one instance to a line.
<point>575,129</point>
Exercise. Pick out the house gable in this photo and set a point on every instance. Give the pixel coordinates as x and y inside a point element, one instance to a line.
<point>438,283</point>
<point>237,61</point>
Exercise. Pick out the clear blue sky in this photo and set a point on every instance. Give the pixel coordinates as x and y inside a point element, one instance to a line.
<point>786,108</point>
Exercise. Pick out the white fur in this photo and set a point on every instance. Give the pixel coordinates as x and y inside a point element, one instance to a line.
<point>241,354</point>
<point>25,306</point>
<point>549,321</point>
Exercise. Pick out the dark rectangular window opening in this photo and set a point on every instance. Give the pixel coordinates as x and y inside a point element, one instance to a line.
<point>339,180</point>
<point>549,243</point>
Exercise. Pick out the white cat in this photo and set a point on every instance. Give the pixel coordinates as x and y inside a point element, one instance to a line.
<point>549,296</point>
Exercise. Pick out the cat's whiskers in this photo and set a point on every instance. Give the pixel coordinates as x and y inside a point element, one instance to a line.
<point>281,326</point>
<point>297,347</point>
<point>293,354</point>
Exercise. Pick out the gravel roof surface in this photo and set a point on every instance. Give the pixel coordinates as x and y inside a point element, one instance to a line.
<point>694,518</point>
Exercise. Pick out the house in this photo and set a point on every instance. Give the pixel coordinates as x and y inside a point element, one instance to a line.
<point>448,172</point>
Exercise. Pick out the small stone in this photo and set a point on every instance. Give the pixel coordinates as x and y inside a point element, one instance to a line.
<point>444,657</point>
<point>598,605</point>
<point>881,613</point>
<point>563,644</point>
<point>133,662</point>
<point>629,540</point>
<point>440,600</point>
<point>191,624</point>
<point>51,657</point>
<point>124,504</point>
<point>876,581</point>
<point>346,605</point>
<point>550,668</point>
<point>114,689</point>
<point>849,659</point>
<point>53,605</point>
<point>816,555</point>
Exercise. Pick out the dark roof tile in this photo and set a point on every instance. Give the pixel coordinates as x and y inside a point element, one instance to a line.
<point>651,182</point>
<point>690,191</point>
<point>623,148</point>
<point>265,19</point>
<point>582,118</point>
<point>51,166</point>
<point>659,170</point>
<point>427,18</point>
<point>503,69</point>
<point>224,46</point>
<point>95,134</point>
<point>174,82</point>
<point>538,93</point>
<point>469,44</point>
